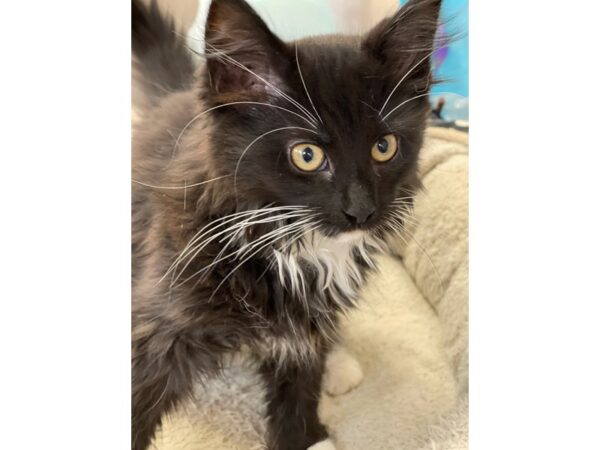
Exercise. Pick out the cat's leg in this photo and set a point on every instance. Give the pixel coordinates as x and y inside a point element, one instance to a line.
<point>342,372</point>
<point>293,391</point>
<point>153,394</point>
<point>164,369</point>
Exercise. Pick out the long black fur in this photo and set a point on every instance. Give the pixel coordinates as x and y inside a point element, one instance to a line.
<point>193,165</point>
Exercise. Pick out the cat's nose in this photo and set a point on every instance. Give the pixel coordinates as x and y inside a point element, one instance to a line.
<point>358,204</point>
<point>359,215</point>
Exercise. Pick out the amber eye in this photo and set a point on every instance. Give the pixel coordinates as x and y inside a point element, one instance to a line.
<point>385,148</point>
<point>307,157</point>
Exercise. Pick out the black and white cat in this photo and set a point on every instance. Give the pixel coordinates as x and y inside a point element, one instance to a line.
<point>264,182</point>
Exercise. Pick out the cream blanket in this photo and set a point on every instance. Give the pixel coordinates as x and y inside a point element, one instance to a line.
<point>410,336</point>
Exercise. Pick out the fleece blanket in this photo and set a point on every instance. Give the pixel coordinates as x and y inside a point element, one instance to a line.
<point>410,335</point>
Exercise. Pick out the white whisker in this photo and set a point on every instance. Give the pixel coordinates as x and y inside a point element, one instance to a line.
<point>236,268</point>
<point>269,238</point>
<point>187,186</point>
<point>232,233</point>
<point>304,84</point>
<point>437,273</point>
<point>409,100</point>
<point>198,116</point>
<point>184,194</point>
<point>402,79</point>
<point>232,217</point>
<point>278,232</point>
<point>279,91</point>
<point>219,222</point>
<point>404,103</point>
<point>401,230</point>
<point>236,228</point>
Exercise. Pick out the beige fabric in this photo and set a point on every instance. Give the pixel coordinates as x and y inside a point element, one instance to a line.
<point>182,11</point>
<point>410,336</point>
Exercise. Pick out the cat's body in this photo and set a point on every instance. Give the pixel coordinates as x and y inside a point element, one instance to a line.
<point>233,249</point>
<point>253,310</point>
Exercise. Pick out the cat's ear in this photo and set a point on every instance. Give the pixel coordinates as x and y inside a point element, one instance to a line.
<point>245,59</point>
<point>406,40</point>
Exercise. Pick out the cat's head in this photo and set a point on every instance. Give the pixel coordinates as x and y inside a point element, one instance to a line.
<point>334,123</point>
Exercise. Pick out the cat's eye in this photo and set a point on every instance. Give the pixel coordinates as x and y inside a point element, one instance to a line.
<point>385,148</point>
<point>307,157</point>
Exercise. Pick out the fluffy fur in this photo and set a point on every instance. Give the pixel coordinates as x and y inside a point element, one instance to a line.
<point>235,249</point>
<point>412,355</point>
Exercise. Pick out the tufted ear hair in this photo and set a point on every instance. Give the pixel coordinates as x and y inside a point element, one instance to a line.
<point>405,41</point>
<point>245,59</point>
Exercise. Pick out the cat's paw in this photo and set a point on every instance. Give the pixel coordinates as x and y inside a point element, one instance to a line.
<point>327,444</point>
<point>342,372</point>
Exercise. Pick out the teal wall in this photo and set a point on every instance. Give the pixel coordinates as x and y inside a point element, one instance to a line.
<point>316,17</point>
<point>292,19</point>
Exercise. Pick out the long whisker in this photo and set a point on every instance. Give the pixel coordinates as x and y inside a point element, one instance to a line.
<point>236,268</point>
<point>262,247</point>
<point>428,55</point>
<point>404,103</point>
<point>217,223</point>
<point>295,239</point>
<point>437,273</point>
<point>212,237</point>
<point>402,230</point>
<point>304,84</point>
<point>404,218</point>
<point>239,227</point>
<point>411,99</point>
<point>222,54</point>
<point>198,116</point>
<point>306,229</point>
<point>269,238</point>
<point>180,187</point>
<point>233,216</point>
<point>276,233</point>
<point>401,200</point>
<point>303,234</point>
<point>404,211</point>
<point>210,227</point>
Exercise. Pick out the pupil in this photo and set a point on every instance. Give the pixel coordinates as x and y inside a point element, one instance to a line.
<point>382,146</point>
<point>307,154</point>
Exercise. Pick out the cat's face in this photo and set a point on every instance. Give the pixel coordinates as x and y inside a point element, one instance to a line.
<point>332,123</point>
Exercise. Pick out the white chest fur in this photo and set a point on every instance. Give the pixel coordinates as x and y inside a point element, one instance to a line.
<point>338,273</point>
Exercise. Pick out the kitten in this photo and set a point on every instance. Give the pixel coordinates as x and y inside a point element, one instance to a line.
<point>265,177</point>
